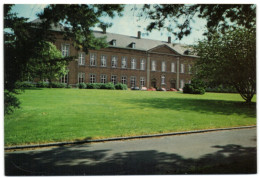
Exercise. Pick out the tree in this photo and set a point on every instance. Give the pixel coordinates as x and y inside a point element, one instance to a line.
<point>177,18</point>
<point>229,59</point>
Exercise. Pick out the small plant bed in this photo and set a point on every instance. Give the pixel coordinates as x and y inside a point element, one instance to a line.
<point>54,114</point>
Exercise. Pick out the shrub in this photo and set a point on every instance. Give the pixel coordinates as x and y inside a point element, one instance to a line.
<point>57,85</point>
<point>42,84</point>
<point>68,86</point>
<point>221,89</point>
<point>10,102</point>
<point>82,85</point>
<point>195,87</point>
<point>109,86</point>
<point>24,84</point>
<point>120,86</point>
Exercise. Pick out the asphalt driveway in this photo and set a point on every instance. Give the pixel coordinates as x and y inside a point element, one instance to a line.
<point>220,152</point>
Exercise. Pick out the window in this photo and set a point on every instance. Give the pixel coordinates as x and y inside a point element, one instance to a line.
<point>65,50</point>
<point>92,78</point>
<point>153,66</point>
<point>123,80</point>
<point>114,42</point>
<point>113,79</point>
<point>182,83</point>
<point>103,61</point>
<point>133,45</point>
<point>163,79</point>
<point>173,67</point>
<point>133,63</point>
<point>81,60</point>
<point>124,63</point>
<point>142,66</point>
<point>133,81</point>
<point>93,59</point>
<point>114,62</point>
<point>142,84</point>
<point>81,77</point>
<point>163,66</point>
<point>64,79</point>
<point>182,68</point>
<point>103,78</point>
<point>190,71</point>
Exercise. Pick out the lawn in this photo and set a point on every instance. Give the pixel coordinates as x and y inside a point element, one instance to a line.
<point>50,115</point>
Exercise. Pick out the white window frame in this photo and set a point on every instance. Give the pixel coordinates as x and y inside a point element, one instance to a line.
<point>133,81</point>
<point>182,68</point>
<point>64,78</point>
<point>133,63</point>
<point>124,79</point>
<point>114,79</point>
<point>163,79</point>
<point>124,63</point>
<point>163,66</point>
<point>103,60</point>
<point>92,59</point>
<point>190,67</point>
<point>92,78</point>
<point>142,65</point>
<point>103,78</point>
<point>81,77</point>
<point>142,82</point>
<point>173,67</point>
<point>182,83</point>
<point>153,65</point>
<point>114,62</point>
<point>65,50</point>
<point>81,59</point>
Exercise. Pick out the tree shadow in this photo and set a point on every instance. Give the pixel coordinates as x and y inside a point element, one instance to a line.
<point>79,160</point>
<point>198,105</point>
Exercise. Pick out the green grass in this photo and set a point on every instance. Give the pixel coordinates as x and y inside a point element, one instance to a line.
<point>50,115</point>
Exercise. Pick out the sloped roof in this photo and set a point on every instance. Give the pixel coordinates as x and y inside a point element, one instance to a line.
<point>124,41</point>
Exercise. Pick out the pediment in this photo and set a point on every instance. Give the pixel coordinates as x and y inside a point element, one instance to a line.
<point>164,49</point>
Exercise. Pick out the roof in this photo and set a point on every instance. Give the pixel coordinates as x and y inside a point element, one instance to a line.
<point>124,41</point>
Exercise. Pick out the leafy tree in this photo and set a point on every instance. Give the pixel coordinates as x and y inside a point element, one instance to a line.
<point>229,59</point>
<point>178,18</point>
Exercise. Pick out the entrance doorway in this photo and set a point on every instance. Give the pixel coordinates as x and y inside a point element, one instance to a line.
<point>173,83</point>
<point>153,83</point>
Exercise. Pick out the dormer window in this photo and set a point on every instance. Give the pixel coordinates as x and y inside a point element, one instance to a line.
<point>133,45</point>
<point>114,42</point>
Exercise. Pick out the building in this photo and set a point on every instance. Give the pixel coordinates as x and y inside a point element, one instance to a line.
<point>130,60</point>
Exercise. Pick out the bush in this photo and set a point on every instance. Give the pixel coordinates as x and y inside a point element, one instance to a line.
<point>195,87</point>
<point>109,86</point>
<point>120,86</point>
<point>10,102</point>
<point>42,84</point>
<point>221,89</point>
<point>81,85</point>
<point>24,85</point>
<point>57,85</point>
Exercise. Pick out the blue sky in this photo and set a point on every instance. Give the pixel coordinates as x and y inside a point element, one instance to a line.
<point>126,25</point>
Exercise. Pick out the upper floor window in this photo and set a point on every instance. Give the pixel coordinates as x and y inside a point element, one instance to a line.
<point>173,67</point>
<point>81,77</point>
<point>92,78</point>
<point>153,66</point>
<point>133,45</point>
<point>124,62</point>
<point>133,63</point>
<point>93,59</point>
<point>81,60</point>
<point>114,42</point>
<point>103,61</point>
<point>190,67</point>
<point>163,66</point>
<point>65,50</point>
<point>114,62</point>
<point>142,66</point>
<point>182,68</point>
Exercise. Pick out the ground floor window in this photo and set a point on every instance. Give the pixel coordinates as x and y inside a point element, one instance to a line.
<point>103,78</point>
<point>142,83</point>
<point>163,79</point>
<point>182,83</point>
<point>113,79</point>
<point>81,77</point>
<point>123,80</point>
<point>133,81</point>
<point>64,79</point>
<point>92,78</point>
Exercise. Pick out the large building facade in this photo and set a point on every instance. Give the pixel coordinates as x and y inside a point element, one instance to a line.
<point>134,61</point>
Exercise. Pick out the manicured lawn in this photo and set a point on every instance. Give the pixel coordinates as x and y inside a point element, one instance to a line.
<point>49,115</point>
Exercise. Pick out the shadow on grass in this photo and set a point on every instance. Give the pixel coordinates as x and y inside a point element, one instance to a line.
<point>198,105</point>
<point>80,160</point>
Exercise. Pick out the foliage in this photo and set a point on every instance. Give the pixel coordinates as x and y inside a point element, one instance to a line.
<point>109,86</point>
<point>41,84</point>
<point>221,89</point>
<point>10,102</point>
<point>57,85</point>
<point>229,59</point>
<point>195,87</point>
<point>81,85</point>
<point>120,86</point>
<point>178,18</point>
<point>25,84</point>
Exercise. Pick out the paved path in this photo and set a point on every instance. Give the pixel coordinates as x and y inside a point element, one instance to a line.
<point>232,151</point>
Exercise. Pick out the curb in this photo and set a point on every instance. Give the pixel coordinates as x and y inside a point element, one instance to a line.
<point>123,138</point>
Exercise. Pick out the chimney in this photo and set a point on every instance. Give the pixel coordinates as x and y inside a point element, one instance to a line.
<point>169,39</point>
<point>139,34</point>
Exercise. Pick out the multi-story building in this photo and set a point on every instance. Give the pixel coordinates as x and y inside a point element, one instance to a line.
<point>130,60</point>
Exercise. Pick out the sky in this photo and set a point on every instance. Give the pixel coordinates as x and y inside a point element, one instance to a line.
<point>128,24</point>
